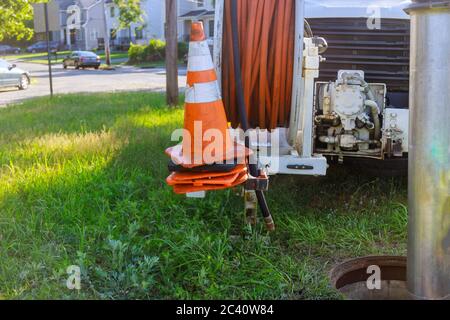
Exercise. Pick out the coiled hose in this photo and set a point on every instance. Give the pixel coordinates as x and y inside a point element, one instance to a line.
<point>243,113</point>
<point>267,47</point>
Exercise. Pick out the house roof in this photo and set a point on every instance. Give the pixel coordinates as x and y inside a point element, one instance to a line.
<point>197,13</point>
<point>355,8</point>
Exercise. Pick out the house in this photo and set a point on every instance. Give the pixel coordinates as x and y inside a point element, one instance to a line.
<point>154,17</point>
<point>195,10</point>
<point>152,26</point>
<point>80,24</point>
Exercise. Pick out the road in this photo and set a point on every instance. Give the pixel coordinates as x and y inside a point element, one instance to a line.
<point>124,78</point>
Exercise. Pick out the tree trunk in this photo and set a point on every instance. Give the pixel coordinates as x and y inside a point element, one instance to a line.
<point>106,36</point>
<point>171,53</point>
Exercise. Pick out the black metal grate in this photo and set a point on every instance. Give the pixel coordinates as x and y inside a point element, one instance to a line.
<point>382,54</point>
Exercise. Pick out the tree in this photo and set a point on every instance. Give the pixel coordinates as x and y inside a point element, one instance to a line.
<point>13,17</point>
<point>129,12</point>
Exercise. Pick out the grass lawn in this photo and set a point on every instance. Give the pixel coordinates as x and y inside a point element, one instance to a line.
<point>38,57</point>
<point>82,183</point>
<point>42,57</point>
<point>156,64</point>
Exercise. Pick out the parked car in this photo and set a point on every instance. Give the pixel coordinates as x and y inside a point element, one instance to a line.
<point>8,49</point>
<point>11,76</point>
<point>41,46</point>
<point>82,59</point>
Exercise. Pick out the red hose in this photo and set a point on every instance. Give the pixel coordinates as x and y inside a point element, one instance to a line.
<point>266,40</point>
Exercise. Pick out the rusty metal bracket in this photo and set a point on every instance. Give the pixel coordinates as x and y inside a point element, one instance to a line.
<point>260,183</point>
<point>251,207</point>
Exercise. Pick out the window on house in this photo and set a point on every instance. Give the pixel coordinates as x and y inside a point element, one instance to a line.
<point>211,28</point>
<point>139,34</point>
<point>112,12</point>
<point>200,3</point>
<point>112,34</point>
<point>94,34</point>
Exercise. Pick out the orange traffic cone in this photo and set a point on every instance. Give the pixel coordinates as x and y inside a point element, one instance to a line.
<point>206,139</point>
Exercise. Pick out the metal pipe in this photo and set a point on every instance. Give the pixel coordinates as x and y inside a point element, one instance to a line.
<point>374,110</point>
<point>297,85</point>
<point>218,39</point>
<point>47,35</point>
<point>429,151</point>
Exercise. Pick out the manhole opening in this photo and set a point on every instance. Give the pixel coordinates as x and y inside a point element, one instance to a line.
<point>355,278</point>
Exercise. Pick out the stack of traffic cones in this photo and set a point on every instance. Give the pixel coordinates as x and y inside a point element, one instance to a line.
<point>207,159</point>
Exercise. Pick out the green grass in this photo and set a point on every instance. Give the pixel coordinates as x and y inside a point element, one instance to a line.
<point>41,58</point>
<point>82,183</point>
<point>149,65</point>
<point>156,64</point>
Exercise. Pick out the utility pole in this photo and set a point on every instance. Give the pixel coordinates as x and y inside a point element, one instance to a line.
<point>106,36</point>
<point>47,32</point>
<point>171,53</point>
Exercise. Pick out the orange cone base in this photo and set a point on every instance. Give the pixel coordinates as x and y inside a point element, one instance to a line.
<point>200,179</point>
<point>225,181</point>
<point>239,153</point>
<point>184,188</point>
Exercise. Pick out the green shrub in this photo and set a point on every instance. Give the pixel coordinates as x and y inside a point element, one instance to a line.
<point>136,53</point>
<point>154,51</point>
